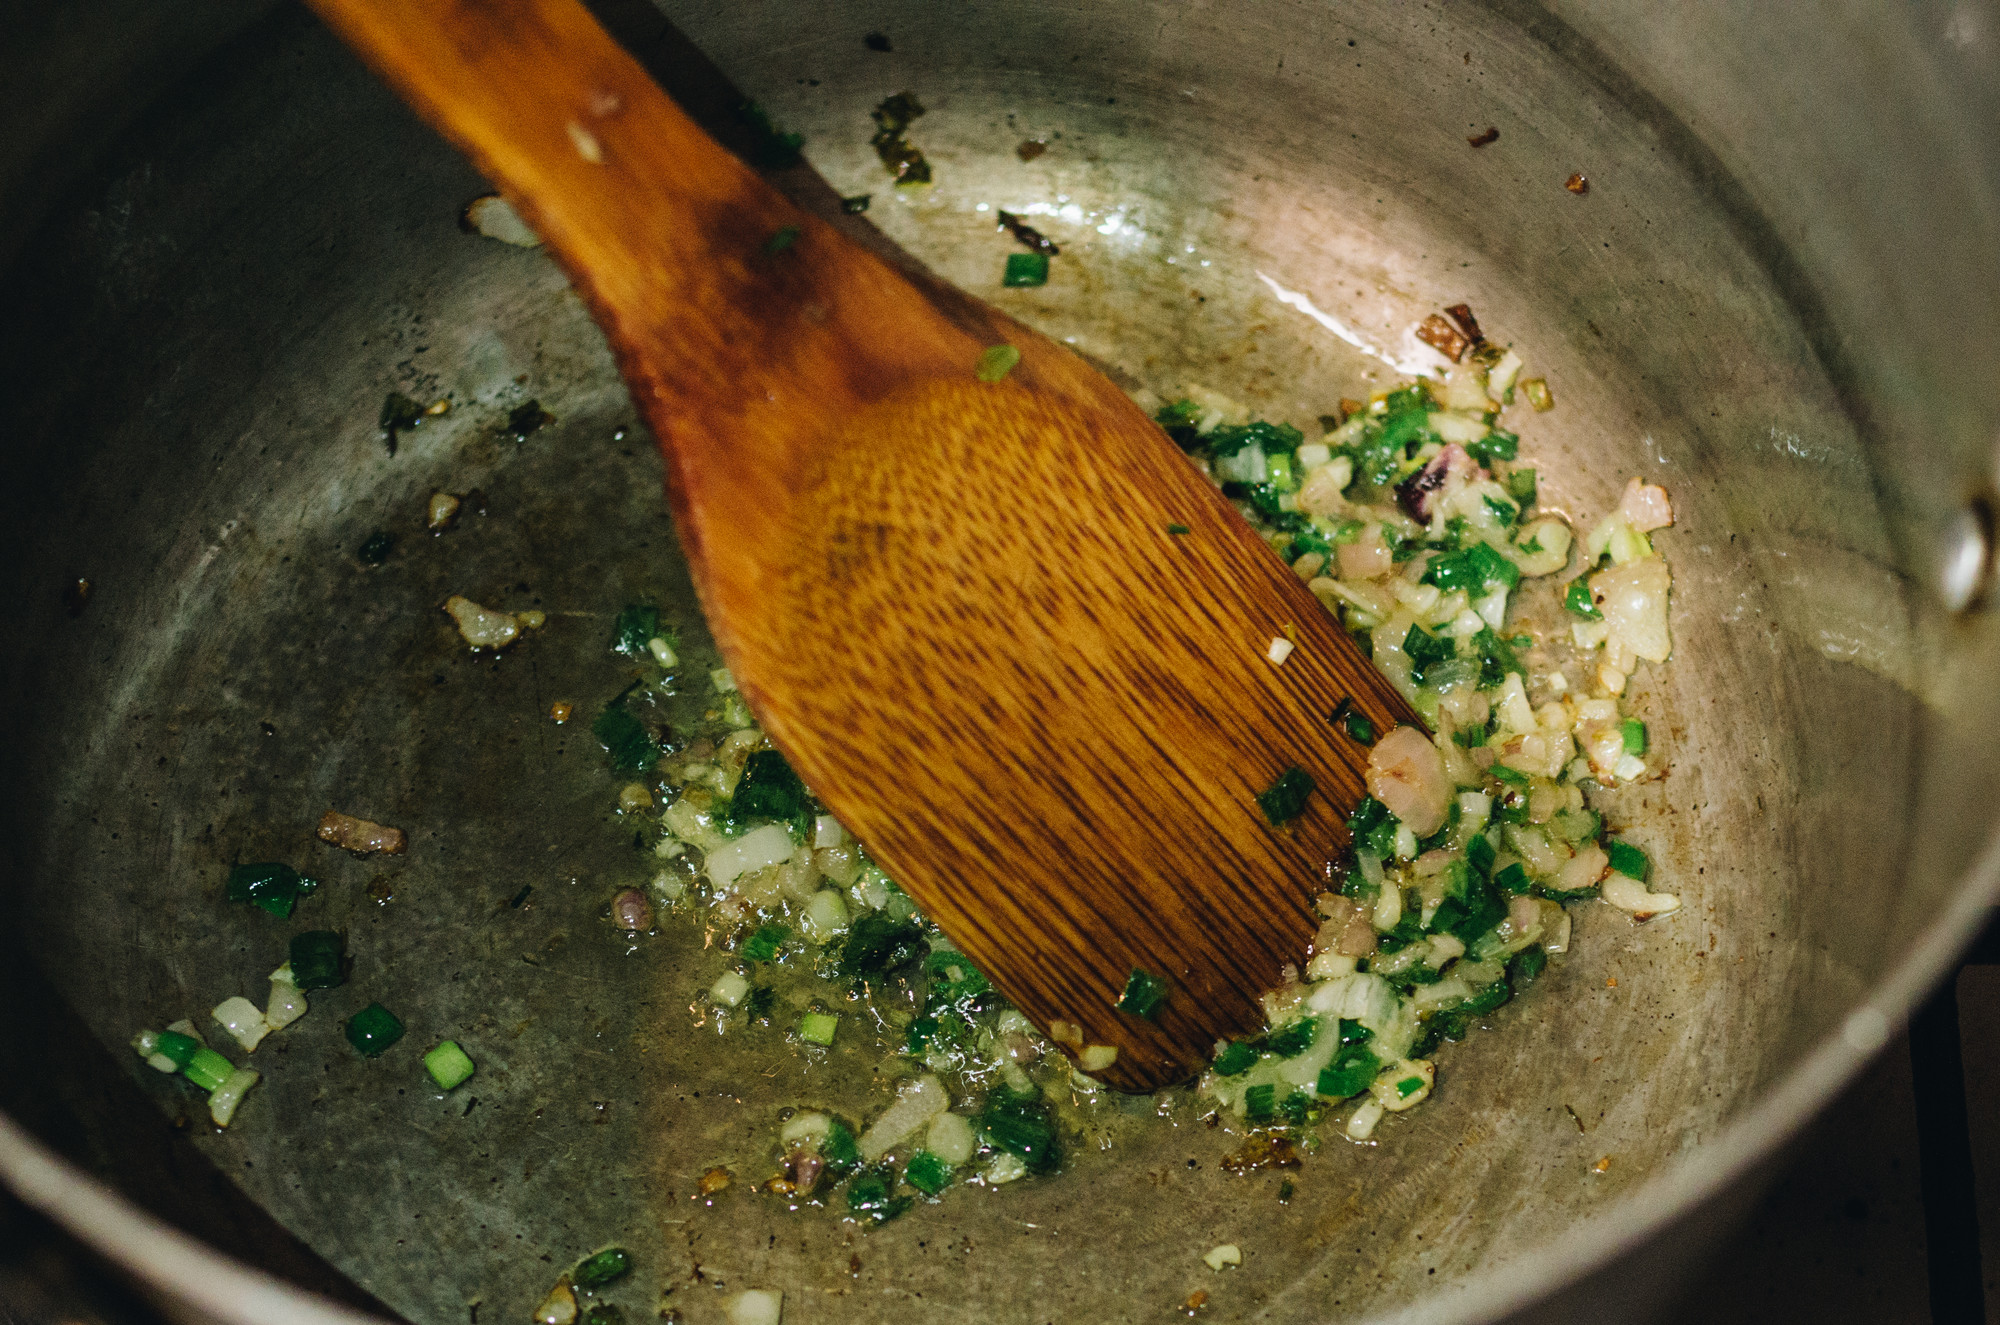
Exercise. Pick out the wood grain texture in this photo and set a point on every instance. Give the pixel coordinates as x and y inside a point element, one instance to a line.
<point>955,606</point>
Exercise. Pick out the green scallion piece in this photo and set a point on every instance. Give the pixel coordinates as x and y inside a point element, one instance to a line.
<point>839,1149</point>
<point>1260,1103</point>
<point>319,959</point>
<point>1513,777</point>
<point>1294,1038</point>
<point>856,205</point>
<point>1026,269</point>
<point>818,1028</point>
<point>602,1267</point>
<point>783,238</point>
<point>1144,993</point>
<point>1634,732</point>
<point>1286,798</point>
<point>1237,1059</point>
<point>270,886</point>
<point>927,1173</point>
<point>636,624</point>
<point>1179,529</point>
<point>448,1065</point>
<point>996,362</point>
<point>1577,599</point>
<point>1359,727</point>
<point>769,789</point>
<point>868,1195</point>
<point>180,1048</point>
<point>1513,881</point>
<point>763,945</point>
<point>207,1069</point>
<point>1408,1086</point>
<point>373,1029</point>
<point>1628,860</point>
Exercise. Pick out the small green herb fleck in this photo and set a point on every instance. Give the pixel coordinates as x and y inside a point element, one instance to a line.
<point>1577,599</point>
<point>1179,529</point>
<point>1144,993</point>
<point>637,623</point>
<point>1359,727</point>
<point>1019,1123</point>
<point>373,1029</point>
<point>1260,1103</point>
<point>271,887</point>
<point>1349,1073</point>
<point>927,1173</point>
<point>375,549</point>
<point>625,739</point>
<point>319,959</point>
<point>769,789</point>
<point>996,362</point>
<point>1408,1086</point>
<point>856,205</point>
<point>783,238</point>
<point>1294,1038</point>
<point>1634,732</point>
<point>1286,798</point>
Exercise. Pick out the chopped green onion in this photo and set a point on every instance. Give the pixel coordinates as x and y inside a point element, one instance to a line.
<point>1260,1103</point>
<point>1237,1059</point>
<point>996,362</point>
<point>1019,1124</point>
<point>1521,486</point>
<point>1408,1086</point>
<point>1293,1039</point>
<point>602,1267</point>
<point>637,623</point>
<point>373,1029</point>
<point>1577,599</point>
<point>1629,860</point>
<point>180,1049</point>
<point>1513,777</point>
<point>1359,727</point>
<point>1424,649</point>
<point>818,1028</point>
<point>856,205</point>
<point>839,1148</point>
<point>1026,269</point>
<point>868,1195</point>
<point>763,945</point>
<point>878,943</point>
<point>319,959</point>
<point>1634,732</point>
<point>1179,529</point>
<point>269,887</point>
<point>1479,854</point>
<point>1527,967</point>
<point>448,1065</point>
<point>783,238</point>
<point>625,739</point>
<point>207,1069</point>
<point>1286,798</point>
<point>1473,569</point>
<point>1144,992</point>
<point>926,1172</point>
<point>1538,394</point>
<point>1513,881</point>
<point>1349,1073</point>
<point>769,789</point>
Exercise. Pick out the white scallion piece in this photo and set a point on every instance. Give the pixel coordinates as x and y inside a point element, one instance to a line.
<point>755,850</point>
<point>729,990</point>
<point>827,832</point>
<point>1097,1057</point>
<point>663,652</point>
<point>145,1044</point>
<point>243,1020</point>
<point>1281,649</point>
<point>1225,1255</point>
<point>920,1101</point>
<point>1629,767</point>
<point>805,1129</point>
<point>1005,1168</point>
<point>287,1003</point>
<point>951,1138</point>
<point>755,1306</point>
<point>723,682</point>
<point>825,915</point>
<point>186,1027</point>
<point>1632,895</point>
<point>222,1101</point>
<point>1362,1125</point>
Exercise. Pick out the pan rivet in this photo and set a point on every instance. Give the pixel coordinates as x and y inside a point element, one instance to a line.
<point>1966,560</point>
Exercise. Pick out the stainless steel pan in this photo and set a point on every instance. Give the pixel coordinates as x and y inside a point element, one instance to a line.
<point>1775,297</point>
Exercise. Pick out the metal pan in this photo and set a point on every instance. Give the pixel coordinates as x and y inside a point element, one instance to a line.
<point>1762,299</point>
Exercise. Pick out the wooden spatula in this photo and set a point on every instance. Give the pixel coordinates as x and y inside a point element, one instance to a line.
<point>993,618</point>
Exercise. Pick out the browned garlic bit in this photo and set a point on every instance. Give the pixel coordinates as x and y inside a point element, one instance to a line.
<point>360,836</point>
<point>441,512</point>
<point>482,629</point>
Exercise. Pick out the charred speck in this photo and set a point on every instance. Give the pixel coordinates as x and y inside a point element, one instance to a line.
<point>1027,234</point>
<point>877,41</point>
<point>892,120</point>
<point>400,414</point>
<point>76,597</point>
<point>527,419</point>
<point>1492,135</point>
<point>1030,149</point>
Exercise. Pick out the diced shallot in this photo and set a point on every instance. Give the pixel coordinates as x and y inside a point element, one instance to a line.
<point>1645,506</point>
<point>921,1100</point>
